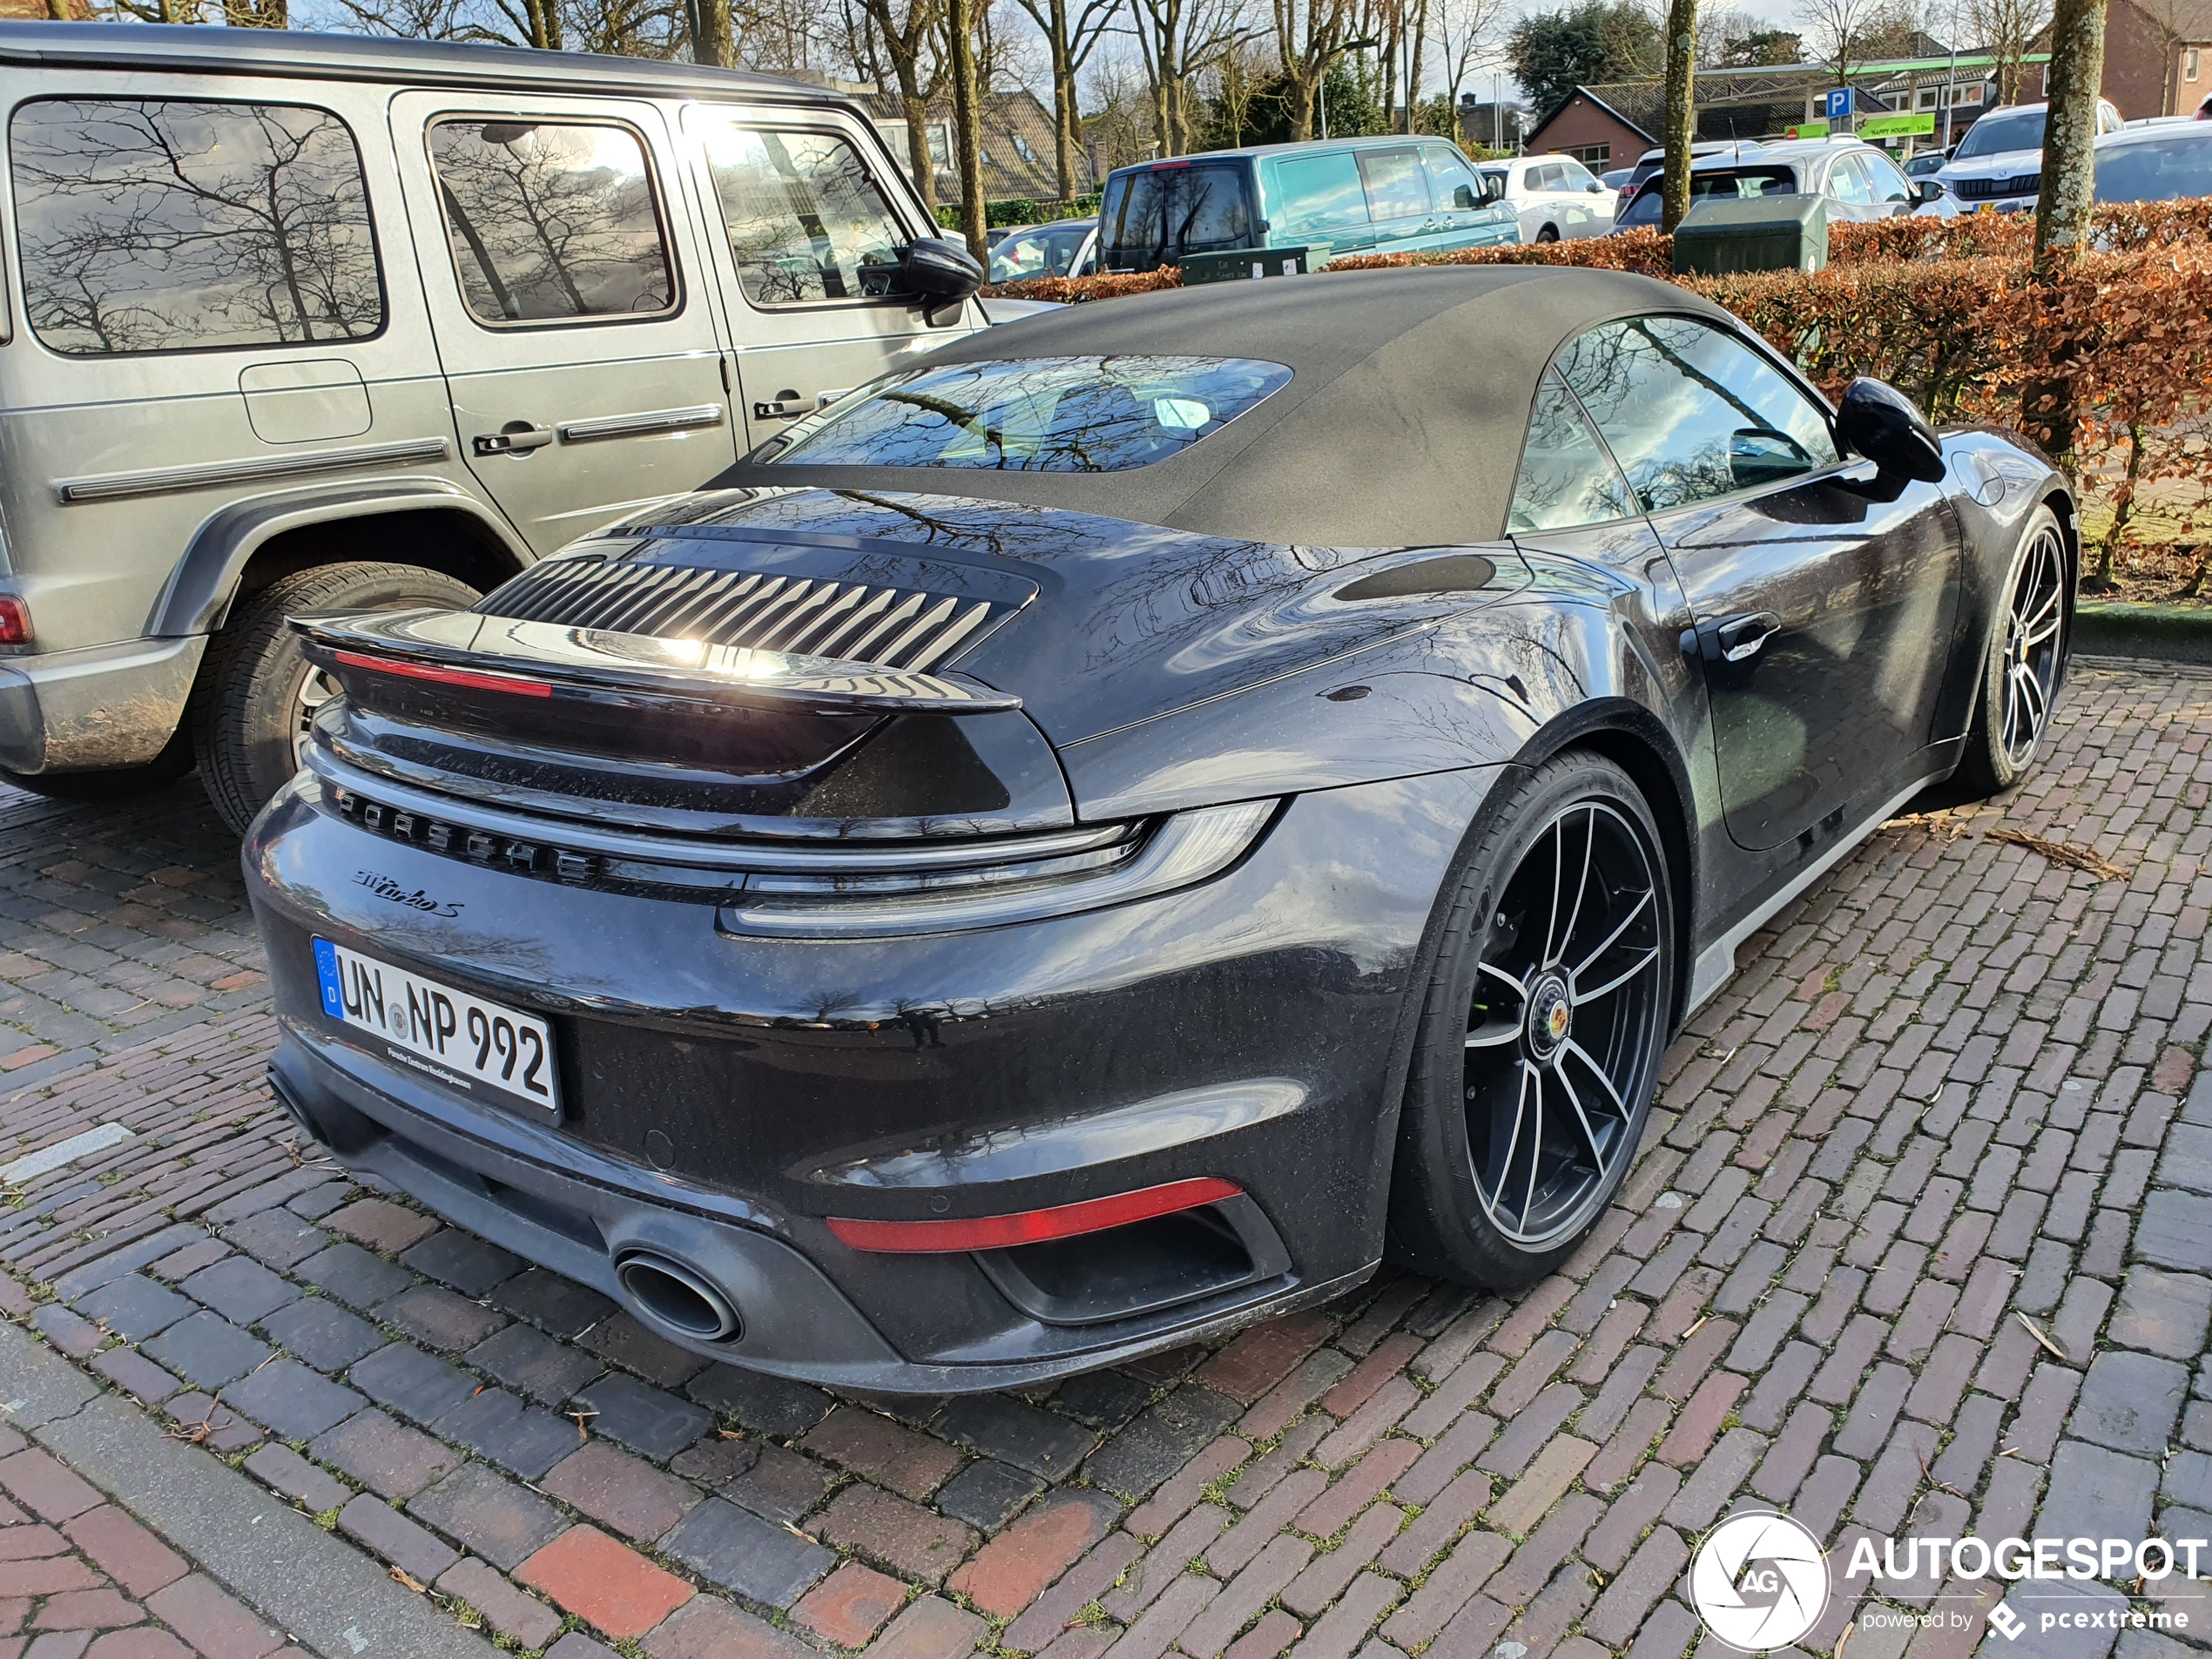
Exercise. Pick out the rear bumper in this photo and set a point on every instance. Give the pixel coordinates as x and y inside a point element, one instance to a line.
<point>725,1097</point>
<point>104,706</point>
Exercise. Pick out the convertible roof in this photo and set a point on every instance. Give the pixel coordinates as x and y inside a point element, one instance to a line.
<point>1401,426</point>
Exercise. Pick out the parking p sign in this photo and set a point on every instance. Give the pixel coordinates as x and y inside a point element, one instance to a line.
<point>1838,103</point>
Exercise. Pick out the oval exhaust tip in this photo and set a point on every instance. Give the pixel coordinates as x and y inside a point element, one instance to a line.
<point>678,1296</point>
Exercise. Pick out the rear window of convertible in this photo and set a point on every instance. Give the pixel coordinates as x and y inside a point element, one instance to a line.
<point>1036,414</point>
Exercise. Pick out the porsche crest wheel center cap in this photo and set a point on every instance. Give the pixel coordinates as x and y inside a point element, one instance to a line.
<point>1550,1015</point>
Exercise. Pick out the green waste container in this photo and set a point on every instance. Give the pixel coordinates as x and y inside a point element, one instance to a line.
<point>1244,263</point>
<point>1721,234</point>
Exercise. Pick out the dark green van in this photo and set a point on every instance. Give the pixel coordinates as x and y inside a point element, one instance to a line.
<point>1387,195</point>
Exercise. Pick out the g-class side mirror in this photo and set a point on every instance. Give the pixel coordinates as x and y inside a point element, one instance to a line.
<point>939,272</point>
<point>1881,423</point>
<point>1462,197</point>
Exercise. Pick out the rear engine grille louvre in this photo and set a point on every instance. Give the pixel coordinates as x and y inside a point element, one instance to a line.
<point>853,622</point>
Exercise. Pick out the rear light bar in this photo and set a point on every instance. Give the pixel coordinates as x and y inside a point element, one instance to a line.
<point>469,679</point>
<point>1034,1226</point>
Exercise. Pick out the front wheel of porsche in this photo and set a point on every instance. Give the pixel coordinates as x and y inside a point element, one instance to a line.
<point>2024,662</point>
<point>1546,1016</point>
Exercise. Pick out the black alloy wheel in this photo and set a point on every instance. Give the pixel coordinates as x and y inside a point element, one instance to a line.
<point>2033,622</point>
<point>1547,1014</point>
<point>1562,1017</point>
<point>2025,664</point>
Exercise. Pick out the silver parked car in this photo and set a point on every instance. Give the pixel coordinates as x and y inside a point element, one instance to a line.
<point>297,323</point>
<point>1998,163</point>
<point>1859,181</point>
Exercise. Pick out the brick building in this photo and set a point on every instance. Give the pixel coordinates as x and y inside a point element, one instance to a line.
<point>1603,127</point>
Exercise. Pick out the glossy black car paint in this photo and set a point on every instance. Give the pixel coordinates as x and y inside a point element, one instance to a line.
<point>727,1094</point>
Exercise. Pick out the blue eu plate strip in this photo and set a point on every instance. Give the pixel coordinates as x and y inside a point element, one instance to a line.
<point>333,998</point>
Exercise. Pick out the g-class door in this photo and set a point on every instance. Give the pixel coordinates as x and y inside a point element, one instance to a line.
<point>568,291</point>
<point>813,223</point>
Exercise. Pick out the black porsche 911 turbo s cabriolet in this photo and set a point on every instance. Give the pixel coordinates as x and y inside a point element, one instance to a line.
<point>1117,826</point>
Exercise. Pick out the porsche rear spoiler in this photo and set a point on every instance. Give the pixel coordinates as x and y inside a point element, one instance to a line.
<point>465,650</point>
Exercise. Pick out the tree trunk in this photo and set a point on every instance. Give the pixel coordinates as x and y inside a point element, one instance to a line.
<point>2072,82</point>
<point>1420,27</point>
<point>715,45</point>
<point>544,21</point>
<point>1682,114</point>
<point>1063,102</point>
<point>967,126</point>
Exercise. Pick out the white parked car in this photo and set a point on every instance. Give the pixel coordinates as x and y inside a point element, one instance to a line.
<point>1556,196</point>
<point>2000,163</point>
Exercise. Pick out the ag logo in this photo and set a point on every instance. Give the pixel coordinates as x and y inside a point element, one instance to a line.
<point>1759,1581</point>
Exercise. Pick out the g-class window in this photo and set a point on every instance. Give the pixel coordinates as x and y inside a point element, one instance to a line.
<point>551,221</point>
<point>151,225</point>
<point>806,223</point>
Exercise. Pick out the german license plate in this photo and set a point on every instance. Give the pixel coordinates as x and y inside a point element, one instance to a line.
<point>480,1047</point>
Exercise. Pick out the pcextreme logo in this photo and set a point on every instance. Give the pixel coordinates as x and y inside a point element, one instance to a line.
<point>1759,1581</point>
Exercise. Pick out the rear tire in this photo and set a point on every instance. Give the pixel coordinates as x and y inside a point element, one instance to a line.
<point>253,697</point>
<point>2023,663</point>
<point>1549,233</point>
<point>1521,1120</point>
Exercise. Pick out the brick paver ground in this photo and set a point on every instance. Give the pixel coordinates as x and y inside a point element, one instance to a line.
<point>78,1577</point>
<point>1921,1238</point>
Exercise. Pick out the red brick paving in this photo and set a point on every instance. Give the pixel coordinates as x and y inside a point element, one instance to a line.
<point>1951,1085</point>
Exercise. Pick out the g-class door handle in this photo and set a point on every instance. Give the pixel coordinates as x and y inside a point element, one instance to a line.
<point>516,437</point>
<point>1740,638</point>
<point>785,405</point>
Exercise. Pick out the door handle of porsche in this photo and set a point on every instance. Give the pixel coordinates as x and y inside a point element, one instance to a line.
<point>1740,638</point>
<point>516,437</point>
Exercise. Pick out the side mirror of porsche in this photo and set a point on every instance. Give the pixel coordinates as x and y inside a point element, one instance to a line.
<point>1880,423</point>
<point>939,272</point>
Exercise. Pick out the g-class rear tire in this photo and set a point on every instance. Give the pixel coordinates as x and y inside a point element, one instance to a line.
<point>254,698</point>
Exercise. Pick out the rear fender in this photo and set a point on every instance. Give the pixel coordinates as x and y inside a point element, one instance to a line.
<point>198,597</point>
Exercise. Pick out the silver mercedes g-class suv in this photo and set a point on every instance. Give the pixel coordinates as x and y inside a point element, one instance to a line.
<point>296,322</point>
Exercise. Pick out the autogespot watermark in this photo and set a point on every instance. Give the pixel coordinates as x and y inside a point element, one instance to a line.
<point>1760,1580</point>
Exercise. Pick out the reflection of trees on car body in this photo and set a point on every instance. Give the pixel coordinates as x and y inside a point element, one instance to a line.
<point>551,221</point>
<point>152,224</point>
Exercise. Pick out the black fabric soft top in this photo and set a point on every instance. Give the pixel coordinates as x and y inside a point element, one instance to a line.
<point>1401,426</point>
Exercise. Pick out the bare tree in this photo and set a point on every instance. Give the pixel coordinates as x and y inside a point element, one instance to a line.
<point>2072,84</point>
<point>1682,117</point>
<point>2005,29</point>
<point>968,122</point>
<point>1121,125</point>
<point>1072,29</point>
<point>1310,35</point>
<point>1466,31</point>
<point>1837,31</point>
<point>1176,41</point>
<point>907,31</point>
<point>712,40</point>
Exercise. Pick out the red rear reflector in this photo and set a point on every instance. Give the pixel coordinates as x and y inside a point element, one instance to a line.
<point>1162,166</point>
<point>15,621</point>
<point>1034,1226</point>
<point>472,679</point>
